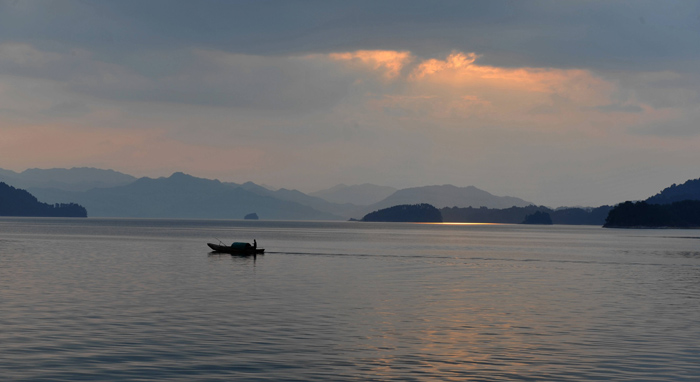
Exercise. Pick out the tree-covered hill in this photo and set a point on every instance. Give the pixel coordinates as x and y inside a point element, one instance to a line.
<point>516,215</point>
<point>409,213</point>
<point>689,190</point>
<point>18,202</point>
<point>539,217</point>
<point>447,195</point>
<point>684,214</point>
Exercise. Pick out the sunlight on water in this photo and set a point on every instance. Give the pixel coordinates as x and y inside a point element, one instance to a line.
<point>455,223</point>
<point>101,299</point>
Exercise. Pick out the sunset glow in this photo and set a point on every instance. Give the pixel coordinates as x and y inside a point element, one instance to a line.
<point>443,102</point>
<point>387,61</point>
<point>454,223</point>
<point>392,190</point>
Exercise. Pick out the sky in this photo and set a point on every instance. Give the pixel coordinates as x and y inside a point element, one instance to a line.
<point>561,103</point>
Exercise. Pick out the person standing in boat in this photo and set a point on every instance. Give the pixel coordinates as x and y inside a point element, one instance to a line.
<point>255,244</point>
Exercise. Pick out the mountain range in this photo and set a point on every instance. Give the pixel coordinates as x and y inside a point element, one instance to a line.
<point>343,210</point>
<point>361,195</point>
<point>448,196</point>
<point>108,193</point>
<point>73,179</point>
<point>182,196</point>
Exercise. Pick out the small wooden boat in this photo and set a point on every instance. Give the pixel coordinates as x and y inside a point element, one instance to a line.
<point>237,249</point>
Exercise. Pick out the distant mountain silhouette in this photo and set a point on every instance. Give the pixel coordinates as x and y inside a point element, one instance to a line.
<point>73,179</point>
<point>345,211</point>
<point>7,173</point>
<point>361,195</point>
<point>447,196</point>
<point>409,213</point>
<point>18,202</point>
<point>689,190</point>
<point>340,202</point>
<point>250,186</point>
<point>185,196</point>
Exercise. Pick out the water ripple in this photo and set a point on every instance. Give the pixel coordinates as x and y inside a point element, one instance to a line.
<point>127,302</point>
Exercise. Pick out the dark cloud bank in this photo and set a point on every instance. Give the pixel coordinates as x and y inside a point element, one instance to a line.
<point>649,35</point>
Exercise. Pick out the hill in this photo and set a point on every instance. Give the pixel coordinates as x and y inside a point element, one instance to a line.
<point>18,202</point>
<point>345,210</point>
<point>690,190</point>
<point>447,196</point>
<point>73,179</point>
<point>677,206</point>
<point>416,213</point>
<point>361,195</point>
<point>516,215</point>
<point>185,196</point>
<point>539,217</point>
<point>683,214</point>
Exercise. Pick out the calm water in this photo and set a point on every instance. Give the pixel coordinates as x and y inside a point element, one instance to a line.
<point>101,299</point>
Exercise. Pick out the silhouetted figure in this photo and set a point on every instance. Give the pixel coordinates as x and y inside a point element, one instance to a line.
<point>255,244</point>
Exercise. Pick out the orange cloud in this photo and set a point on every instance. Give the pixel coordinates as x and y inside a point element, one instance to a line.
<point>444,92</point>
<point>460,70</point>
<point>387,61</point>
<point>453,61</point>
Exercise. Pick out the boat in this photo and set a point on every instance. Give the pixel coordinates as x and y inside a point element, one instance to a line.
<point>237,249</point>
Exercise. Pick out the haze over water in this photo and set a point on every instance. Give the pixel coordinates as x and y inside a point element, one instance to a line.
<point>101,299</point>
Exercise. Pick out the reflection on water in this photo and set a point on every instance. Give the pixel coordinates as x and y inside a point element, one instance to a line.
<point>101,299</point>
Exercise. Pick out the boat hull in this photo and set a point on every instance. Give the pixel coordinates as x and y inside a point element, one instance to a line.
<point>236,251</point>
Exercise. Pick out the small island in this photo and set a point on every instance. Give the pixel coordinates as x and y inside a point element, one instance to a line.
<point>406,213</point>
<point>18,202</point>
<point>251,216</point>
<point>539,217</point>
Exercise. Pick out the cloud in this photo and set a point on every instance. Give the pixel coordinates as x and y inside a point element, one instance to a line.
<point>458,92</point>
<point>509,96</point>
<point>206,78</point>
<point>455,61</point>
<point>620,108</point>
<point>618,35</point>
<point>390,63</point>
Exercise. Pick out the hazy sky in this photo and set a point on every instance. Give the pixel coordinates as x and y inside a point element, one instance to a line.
<point>555,102</point>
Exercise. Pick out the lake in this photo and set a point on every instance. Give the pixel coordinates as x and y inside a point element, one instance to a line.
<point>128,299</point>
